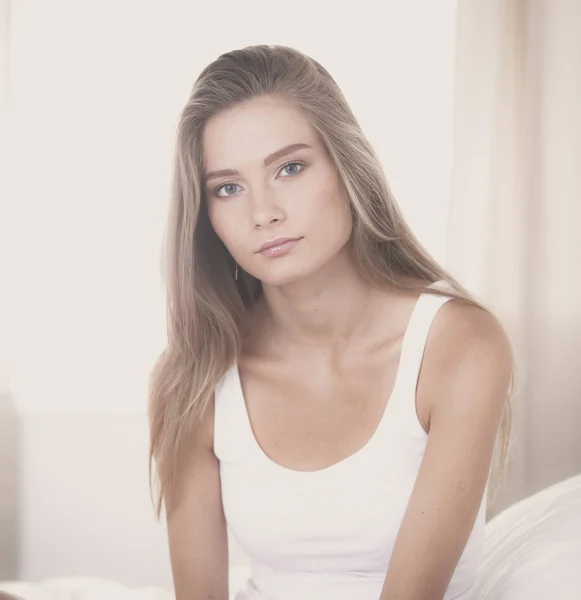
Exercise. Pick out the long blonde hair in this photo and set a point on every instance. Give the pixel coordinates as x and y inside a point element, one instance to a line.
<point>207,307</point>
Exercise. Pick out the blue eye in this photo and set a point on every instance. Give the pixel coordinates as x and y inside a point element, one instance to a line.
<point>290,164</point>
<point>230,184</point>
<point>224,186</point>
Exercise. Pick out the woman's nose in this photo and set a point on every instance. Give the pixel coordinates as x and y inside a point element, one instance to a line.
<point>266,211</point>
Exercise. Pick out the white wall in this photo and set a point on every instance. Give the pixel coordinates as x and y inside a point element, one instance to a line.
<point>9,423</point>
<point>85,501</point>
<point>553,405</point>
<point>97,88</point>
<point>5,303</point>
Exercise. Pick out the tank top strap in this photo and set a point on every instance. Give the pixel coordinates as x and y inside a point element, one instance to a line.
<point>229,433</point>
<point>233,437</point>
<point>412,353</point>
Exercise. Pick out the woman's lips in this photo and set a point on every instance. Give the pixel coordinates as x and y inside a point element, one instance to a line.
<point>278,246</point>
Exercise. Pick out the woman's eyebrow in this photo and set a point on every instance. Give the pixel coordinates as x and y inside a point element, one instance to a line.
<point>267,161</point>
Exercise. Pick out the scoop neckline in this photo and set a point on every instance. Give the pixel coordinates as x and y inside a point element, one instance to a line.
<point>357,454</point>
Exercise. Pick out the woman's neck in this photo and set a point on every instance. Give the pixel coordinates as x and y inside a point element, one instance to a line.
<point>329,309</point>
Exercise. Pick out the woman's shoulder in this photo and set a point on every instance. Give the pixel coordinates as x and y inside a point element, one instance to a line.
<point>461,323</point>
<point>464,338</point>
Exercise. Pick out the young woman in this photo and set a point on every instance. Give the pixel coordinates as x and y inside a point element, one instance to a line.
<point>328,392</point>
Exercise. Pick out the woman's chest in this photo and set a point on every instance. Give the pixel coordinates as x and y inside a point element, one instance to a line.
<point>311,418</point>
<point>352,510</point>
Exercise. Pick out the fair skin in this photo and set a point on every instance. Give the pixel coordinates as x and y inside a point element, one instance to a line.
<point>324,352</point>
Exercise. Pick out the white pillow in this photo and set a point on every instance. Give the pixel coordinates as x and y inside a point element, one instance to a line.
<point>533,549</point>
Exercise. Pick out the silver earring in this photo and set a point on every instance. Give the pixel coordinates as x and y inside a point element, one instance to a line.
<point>236,273</point>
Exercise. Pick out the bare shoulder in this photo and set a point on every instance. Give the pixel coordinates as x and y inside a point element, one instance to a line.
<point>460,328</point>
<point>467,347</point>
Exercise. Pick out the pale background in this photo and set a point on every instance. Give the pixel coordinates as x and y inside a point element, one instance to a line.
<point>93,91</point>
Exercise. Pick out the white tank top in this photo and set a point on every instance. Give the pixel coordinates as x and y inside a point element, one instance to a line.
<point>328,534</point>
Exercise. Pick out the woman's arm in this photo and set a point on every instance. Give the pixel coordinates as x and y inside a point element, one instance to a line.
<point>196,525</point>
<point>466,385</point>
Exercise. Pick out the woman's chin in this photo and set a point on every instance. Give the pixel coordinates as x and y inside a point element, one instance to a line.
<point>279,281</point>
<point>280,277</point>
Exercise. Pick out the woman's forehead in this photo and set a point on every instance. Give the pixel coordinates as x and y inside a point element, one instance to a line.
<point>250,133</point>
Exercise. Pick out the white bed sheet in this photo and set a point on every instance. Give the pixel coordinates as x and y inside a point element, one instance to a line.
<point>532,552</point>
<point>89,588</point>
<point>81,588</point>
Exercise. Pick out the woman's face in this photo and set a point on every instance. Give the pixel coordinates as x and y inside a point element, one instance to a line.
<point>281,185</point>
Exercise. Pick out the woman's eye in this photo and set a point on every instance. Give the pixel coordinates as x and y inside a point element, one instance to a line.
<point>292,164</point>
<point>291,169</point>
<point>225,186</point>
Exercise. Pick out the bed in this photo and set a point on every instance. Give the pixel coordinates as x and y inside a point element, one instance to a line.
<point>533,552</point>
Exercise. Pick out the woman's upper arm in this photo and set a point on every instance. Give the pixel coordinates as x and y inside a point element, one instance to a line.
<point>468,385</point>
<point>195,521</point>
